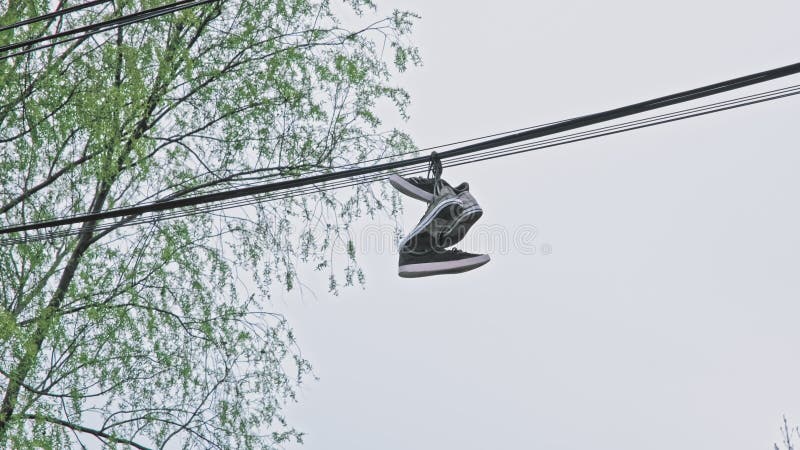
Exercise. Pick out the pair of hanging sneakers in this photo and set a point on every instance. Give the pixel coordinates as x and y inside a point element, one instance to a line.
<point>451,213</point>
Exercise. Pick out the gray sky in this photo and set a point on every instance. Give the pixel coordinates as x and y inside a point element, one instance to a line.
<point>666,315</point>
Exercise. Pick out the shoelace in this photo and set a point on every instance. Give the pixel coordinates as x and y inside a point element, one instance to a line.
<point>435,166</point>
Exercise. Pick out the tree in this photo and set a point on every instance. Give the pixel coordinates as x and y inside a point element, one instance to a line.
<point>147,336</point>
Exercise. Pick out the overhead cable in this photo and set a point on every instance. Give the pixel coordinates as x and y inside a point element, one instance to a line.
<point>137,218</point>
<point>555,128</point>
<point>53,15</point>
<point>94,28</point>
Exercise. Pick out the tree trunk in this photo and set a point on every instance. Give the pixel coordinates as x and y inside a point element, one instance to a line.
<point>45,320</point>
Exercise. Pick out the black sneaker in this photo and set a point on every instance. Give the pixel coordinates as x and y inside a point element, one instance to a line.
<point>438,262</point>
<point>469,213</point>
<point>420,188</point>
<point>441,213</point>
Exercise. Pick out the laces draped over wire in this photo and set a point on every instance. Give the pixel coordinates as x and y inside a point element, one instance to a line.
<point>435,167</point>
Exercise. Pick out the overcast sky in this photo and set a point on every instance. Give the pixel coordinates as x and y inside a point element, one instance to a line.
<point>657,304</point>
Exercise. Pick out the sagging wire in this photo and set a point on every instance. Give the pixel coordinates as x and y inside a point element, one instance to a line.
<point>421,167</point>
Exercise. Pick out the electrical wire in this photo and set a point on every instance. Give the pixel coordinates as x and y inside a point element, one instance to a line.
<point>542,144</point>
<point>95,28</point>
<point>53,15</point>
<point>553,129</point>
<point>642,123</point>
<point>481,156</point>
<point>292,193</point>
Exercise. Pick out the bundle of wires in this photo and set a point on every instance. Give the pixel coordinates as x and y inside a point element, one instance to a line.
<point>51,40</point>
<point>370,171</point>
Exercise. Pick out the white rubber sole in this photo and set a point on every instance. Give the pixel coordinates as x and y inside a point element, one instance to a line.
<point>428,218</point>
<point>409,189</point>
<point>466,216</point>
<point>461,225</point>
<point>442,267</point>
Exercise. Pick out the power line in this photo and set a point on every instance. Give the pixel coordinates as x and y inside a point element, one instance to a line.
<point>99,27</point>
<point>636,124</point>
<point>536,145</point>
<point>462,155</point>
<point>692,112</point>
<point>52,15</point>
